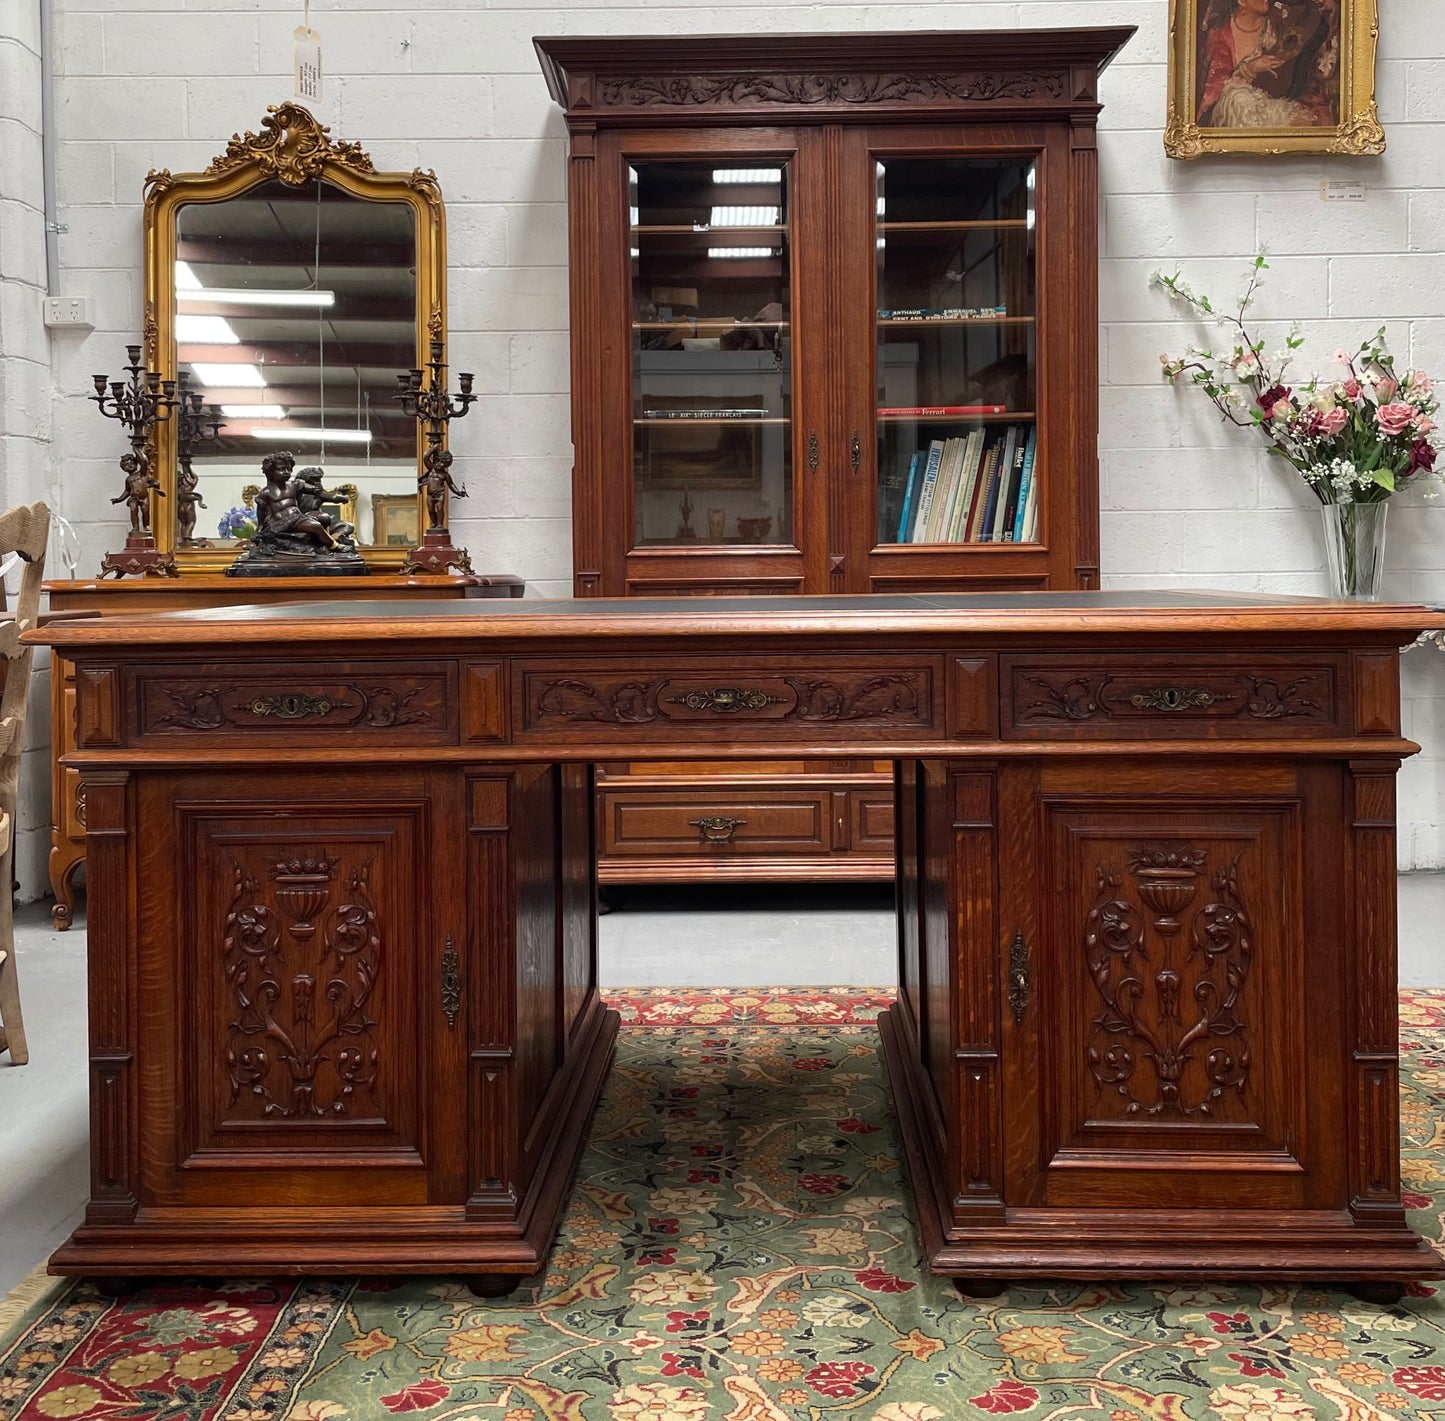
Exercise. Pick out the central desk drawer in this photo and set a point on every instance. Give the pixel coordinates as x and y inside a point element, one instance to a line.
<point>694,700</point>
<point>715,823</point>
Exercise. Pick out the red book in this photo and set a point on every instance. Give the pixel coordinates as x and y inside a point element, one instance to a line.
<point>926,410</point>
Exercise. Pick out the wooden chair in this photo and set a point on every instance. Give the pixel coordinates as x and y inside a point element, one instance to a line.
<point>24,531</point>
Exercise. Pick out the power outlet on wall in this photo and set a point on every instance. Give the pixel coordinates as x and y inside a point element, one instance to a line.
<point>70,313</point>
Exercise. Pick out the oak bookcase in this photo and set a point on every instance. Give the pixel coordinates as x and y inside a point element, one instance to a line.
<point>797,261</point>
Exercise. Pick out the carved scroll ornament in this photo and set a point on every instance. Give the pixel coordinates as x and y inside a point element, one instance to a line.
<point>291,146</point>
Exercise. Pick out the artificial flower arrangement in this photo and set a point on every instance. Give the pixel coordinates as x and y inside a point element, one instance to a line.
<point>238,523</point>
<point>1356,438</point>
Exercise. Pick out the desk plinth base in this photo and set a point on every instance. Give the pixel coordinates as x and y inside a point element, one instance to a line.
<point>1241,1245</point>
<point>402,1240</point>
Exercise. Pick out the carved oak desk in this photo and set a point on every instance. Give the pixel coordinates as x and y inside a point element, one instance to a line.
<point>344,1011</point>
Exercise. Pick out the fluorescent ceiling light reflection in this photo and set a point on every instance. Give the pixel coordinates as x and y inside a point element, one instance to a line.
<point>205,330</point>
<point>744,252</point>
<point>234,377</point>
<point>745,216</point>
<point>186,279</point>
<point>314,436</point>
<point>238,296</point>
<point>253,411</point>
<point>747,175</point>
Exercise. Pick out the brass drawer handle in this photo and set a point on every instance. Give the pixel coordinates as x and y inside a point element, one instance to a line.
<point>725,700</point>
<point>716,828</point>
<point>1176,698</point>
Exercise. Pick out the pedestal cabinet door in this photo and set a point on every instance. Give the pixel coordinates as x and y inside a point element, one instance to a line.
<point>1160,1011</point>
<point>309,1059</point>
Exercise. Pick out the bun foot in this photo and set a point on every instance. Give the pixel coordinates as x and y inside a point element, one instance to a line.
<point>119,1287</point>
<point>980,1287</point>
<point>493,1285</point>
<point>1381,1293</point>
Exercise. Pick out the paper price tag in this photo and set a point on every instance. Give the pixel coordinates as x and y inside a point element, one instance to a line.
<point>308,63</point>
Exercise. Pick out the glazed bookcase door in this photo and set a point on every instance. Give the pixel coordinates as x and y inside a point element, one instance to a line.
<point>1160,924</point>
<point>295,1061</point>
<point>956,278</point>
<point>711,445</point>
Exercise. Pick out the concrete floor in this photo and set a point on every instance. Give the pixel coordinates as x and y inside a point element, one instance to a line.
<point>787,935</point>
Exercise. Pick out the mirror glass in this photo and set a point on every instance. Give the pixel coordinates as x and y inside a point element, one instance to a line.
<point>296,309</point>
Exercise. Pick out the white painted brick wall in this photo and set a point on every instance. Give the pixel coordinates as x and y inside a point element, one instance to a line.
<point>25,381</point>
<point>455,87</point>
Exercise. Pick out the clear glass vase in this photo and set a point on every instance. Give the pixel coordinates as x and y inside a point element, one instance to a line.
<point>1355,547</point>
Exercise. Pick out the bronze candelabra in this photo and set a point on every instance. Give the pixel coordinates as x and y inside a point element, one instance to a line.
<point>424,395</point>
<point>140,405</point>
<point>195,424</point>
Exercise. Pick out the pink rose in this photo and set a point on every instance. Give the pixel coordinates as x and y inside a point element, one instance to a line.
<point>1420,384</point>
<point>1352,390</point>
<point>1424,424</point>
<point>1395,419</point>
<point>1332,421</point>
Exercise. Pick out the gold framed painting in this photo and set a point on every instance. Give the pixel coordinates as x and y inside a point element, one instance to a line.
<point>394,520</point>
<point>1272,76</point>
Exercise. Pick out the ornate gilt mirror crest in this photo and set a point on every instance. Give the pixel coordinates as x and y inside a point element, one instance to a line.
<point>292,283</point>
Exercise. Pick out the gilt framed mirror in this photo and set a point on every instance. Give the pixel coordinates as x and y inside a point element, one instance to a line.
<point>290,283</point>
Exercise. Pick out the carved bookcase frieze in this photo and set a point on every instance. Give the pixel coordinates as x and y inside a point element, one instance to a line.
<point>1169,1036</point>
<point>300,970</point>
<point>746,90</point>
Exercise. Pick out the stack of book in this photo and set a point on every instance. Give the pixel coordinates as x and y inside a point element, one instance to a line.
<point>976,488</point>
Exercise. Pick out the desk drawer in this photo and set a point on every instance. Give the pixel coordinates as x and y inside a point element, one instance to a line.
<point>714,822</point>
<point>1149,696</point>
<point>383,703</point>
<point>708,700</point>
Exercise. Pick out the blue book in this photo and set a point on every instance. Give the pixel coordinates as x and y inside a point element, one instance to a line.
<point>908,496</point>
<point>925,493</point>
<point>1028,477</point>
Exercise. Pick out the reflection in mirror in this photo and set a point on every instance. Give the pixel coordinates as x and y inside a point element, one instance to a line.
<point>295,309</point>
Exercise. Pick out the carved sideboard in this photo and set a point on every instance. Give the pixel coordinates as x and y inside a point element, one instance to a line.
<point>157,594</point>
<point>343,1000</point>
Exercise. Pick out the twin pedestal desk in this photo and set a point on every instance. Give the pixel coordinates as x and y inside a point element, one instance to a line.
<point>343,1000</point>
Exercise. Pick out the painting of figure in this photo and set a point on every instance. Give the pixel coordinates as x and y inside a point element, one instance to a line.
<point>1269,64</point>
<point>1272,76</point>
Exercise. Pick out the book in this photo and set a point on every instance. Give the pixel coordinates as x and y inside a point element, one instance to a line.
<point>986,475</point>
<point>1031,514</point>
<point>1015,487</point>
<point>908,496</point>
<point>950,474</point>
<point>972,451</point>
<point>942,313</point>
<point>705,414</point>
<point>1005,478</point>
<point>1026,485</point>
<point>926,411</point>
<point>925,493</point>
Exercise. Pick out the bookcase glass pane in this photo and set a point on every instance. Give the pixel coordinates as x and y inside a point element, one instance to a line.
<point>711,353</point>
<point>956,292</point>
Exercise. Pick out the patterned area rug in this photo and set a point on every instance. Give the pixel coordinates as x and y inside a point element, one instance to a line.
<point>738,1247</point>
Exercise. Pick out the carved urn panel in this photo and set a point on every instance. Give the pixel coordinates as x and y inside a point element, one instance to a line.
<point>305,987</point>
<point>1179,940</point>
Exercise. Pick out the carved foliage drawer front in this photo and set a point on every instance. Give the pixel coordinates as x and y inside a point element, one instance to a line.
<point>1145,696</point>
<point>384,703</point>
<point>714,700</point>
